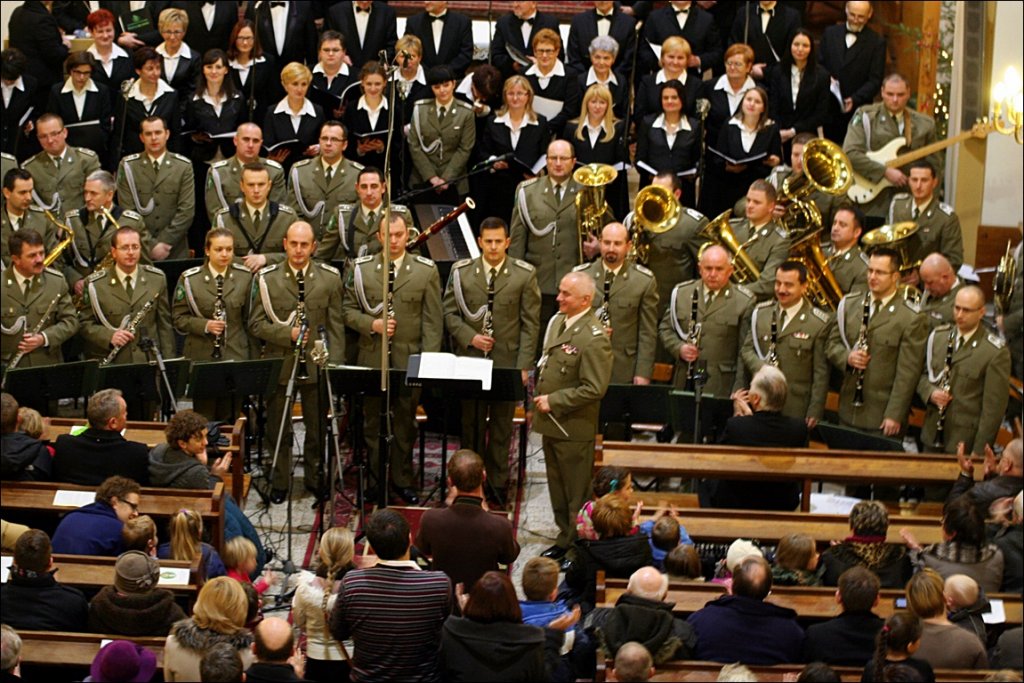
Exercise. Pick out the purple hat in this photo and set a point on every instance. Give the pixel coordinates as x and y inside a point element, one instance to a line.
<point>123,661</point>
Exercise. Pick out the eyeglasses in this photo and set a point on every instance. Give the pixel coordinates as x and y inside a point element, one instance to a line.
<point>172,32</point>
<point>50,136</point>
<point>545,51</point>
<point>129,248</point>
<point>736,65</point>
<point>82,72</point>
<point>964,309</point>
<point>551,158</point>
<point>247,39</point>
<point>133,506</point>
<point>332,139</point>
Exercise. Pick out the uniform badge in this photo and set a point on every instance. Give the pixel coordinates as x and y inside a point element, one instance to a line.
<point>179,293</point>
<point>801,335</point>
<point>569,349</point>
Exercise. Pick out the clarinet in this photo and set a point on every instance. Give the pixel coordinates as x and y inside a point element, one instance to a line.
<point>220,313</point>
<point>694,333</point>
<point>602,312</point>
<point>945,384</point>
<point>488,328</point>
<point>390,304</point>
<point>133,325</point>
<point>773,357</point>
<point>35,330</point>
<point>303,318</point>
<point>862,344</point>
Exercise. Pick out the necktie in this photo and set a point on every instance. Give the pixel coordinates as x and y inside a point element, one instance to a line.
<point>917,213</point>
<point>782,320</point>
<point>156,166</point>
<point>28,286</point>
<point>558,194</point>
<point>330,174</point>
<point>875,306</point>
<point>960,343</point>
<point>563,327</point>
<point>256,216</point>
<point>710,297</point>
<point>128,286</point>
<point>371,220</point>
<point>491,278</point>
<point>441,112</point>
<point>56,161</point>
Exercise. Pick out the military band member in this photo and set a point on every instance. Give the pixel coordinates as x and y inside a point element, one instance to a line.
<point>274,319</point>
<point>765,241</point>
<point>257,223</point>
<point>159,185</point>
<point>572,378</point>
<point>846,260</point>
<point>224,179</point>
<point>60,169</point>
<point>979,379</point>
<point>940,285</point>
<point>19,214</point>
<point>801,331</point>
<point>353,233</point>
<point>896,334</point>
<point>441,139</point>
<point>114,298</point>
<point>7,162</point>
<point>31,292</point>
<point>723,312</point>
<point>826,203</point>
<point>938,227</point>
<point>417,326</point>
<point>628,294</point>
<point>506,290</point>
<point>317,186</point>
<point>94,231</point>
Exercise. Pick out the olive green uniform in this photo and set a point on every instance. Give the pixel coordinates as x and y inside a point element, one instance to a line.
<point>109,307</point>
<point>93,239</point>
<point>352,234</point>
<point>166,198</point>
<point>60,189</point>
<point>266,238</point>
<point>544,231</point>
<point>938,228</point>
<point>224,184</point>
<point>441,148</point>
<point>939,309</point>
<point>7,162</point>
<point>23,311</point>
<point>849,268</point>
<point>33,219</point>
<point>768,248</point>
<point>672,255</point>
<point>315,198</point>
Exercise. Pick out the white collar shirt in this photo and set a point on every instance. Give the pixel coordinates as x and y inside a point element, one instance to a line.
<point>514,131</point>
<point>319,69</point>
<point>79,95</point>
<point>362,19</point>
<point>171,61</point>
<point>296,117</point>
<point>373,115</point>
<point>592,78</point>
<point>279,20</point>
<point>670,135</point>
<point>747,136</point>
<point>108,64</point>
<point>735,97</point>
<point>543,79</point>
<point>8,90</point>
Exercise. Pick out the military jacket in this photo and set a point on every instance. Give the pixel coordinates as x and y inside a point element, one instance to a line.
<point>93,242</point>
<point>768,249</point>
<point>314,197</point>
<point>544,231</point>
<point>849,268</point>
<point>417,308</point>
<point>939,309</point>
<point>33,219</point>
<point>515,310</point>
<point>165,198</point>
<point>194,300</point>
<point>896,335</point>
<point>274,312</point>
<point>48,295</point>
<point>60,190</point>
<point>224,184</point>
<point>109,308</point>
<point>574,373</point>
<point>632,306</point>
<point>979,381</point>
<point>723,326</point>
<point>441,148</point>
<point>938,228</point>
<point>800,349</point>
<point>267,238</point>
<point>7,162</point>
<point>672,255</point>
<point>348,236</point>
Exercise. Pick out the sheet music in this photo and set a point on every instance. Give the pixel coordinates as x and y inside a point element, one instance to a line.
<point>548,107</point>
<point>5,567</point>
<point>73,499</point>
<point>173,576</point>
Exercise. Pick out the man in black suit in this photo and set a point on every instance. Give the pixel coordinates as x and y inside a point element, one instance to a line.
<point>100,451</point>
<point>768,28</point>
<point>692,22</point>
<point>209,24</point>
<point>767,426</point>
<point>606,19</point>
<point>286,29</point>
<point>848,639</point>
<point>854,55</point>
<point>513,34</point>
<point>368,27</point>
<point>450,45</point>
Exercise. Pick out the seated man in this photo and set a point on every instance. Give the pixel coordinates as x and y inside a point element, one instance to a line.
<point>848,639</point>
<point>1003,478</point>
<point>95,529</point>
<point>465,540</point>
<point>32,598</point>
<point>743,627</point>
<point>23,458</point>
<point>633,663</point>
<point>100,451</point>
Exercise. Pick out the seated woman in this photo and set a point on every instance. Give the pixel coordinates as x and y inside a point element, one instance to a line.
<point>134,606</point>
<point>944,645</point>
<point>295,122</point>
<point>603,51</point>
<point>218,617</point>
<point>597,136</point>
<point>83,104</point>
<point>798,90</point>
<point>796,562</point>
<point>675,55</point>
<point>867,547</point>
<point>668,142</point>
<point>553,82</point>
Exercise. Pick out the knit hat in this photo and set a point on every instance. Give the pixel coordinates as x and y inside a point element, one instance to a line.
<point>738,551</point>
<point>136,572</point>
<point>122,660</point>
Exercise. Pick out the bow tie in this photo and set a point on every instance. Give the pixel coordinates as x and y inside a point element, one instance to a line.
<point>853,32</point>
<point>438,18</point>
<point>685,10</point>
<point>604,17</point>
<point>769,11</point>
<point>527,21</point>
<point>277,4</point>
<point>362,9</point>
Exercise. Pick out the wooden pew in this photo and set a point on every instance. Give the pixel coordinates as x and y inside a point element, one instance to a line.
<point>691,670</point>
<point>776,464</point>
<point>93,572</point>
<point>159,503</point>
<point>64,648</point>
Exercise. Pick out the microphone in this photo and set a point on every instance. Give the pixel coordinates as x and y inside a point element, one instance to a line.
<point>508,156</point>
<point>703,106</point>
<point>404,54</point>
<point>127,85</point>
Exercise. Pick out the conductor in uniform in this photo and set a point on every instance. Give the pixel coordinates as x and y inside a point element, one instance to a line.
<point>34,297</point>
<point>279,292</point>
<point>492,309</point>
<point>224,179</point>
<point>417,326</point>
<point>572,378</point>
<point>895,332</point>
<point>978,375</point>
<point>627,298</point>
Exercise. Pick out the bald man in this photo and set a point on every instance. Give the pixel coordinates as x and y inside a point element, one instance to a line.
<point>224,179</point>
<point>633,662</point>
<point>277,659</point>
<point>940,284</point>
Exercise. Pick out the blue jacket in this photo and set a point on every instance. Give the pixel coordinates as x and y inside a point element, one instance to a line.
<point>212,567</point>
<point>90,530</point>
<point>735,628</point>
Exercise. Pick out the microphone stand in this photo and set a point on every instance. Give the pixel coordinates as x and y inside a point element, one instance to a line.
<point>149,345</point>
<point>124,119</point>
<point>476,170</point>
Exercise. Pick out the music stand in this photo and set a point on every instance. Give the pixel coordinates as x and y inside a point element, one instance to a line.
<point>214,379</point>
<point>623,402</point>
<point>715,412</point>
<point>36,387</point>
<point>138,381</point>
<point>506,385</point>
<point>847,438</point>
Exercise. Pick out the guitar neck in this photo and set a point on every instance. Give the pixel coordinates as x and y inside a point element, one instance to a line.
<point>915,154</point>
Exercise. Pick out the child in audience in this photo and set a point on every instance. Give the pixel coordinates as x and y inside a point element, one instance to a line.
<point>682,563</point>
<point>738,551</point>
<point>186,543</point>
<point>610,479</point>
<point>896,644</point>
<point>965,603</point>
<point>664,533</point>
<point>542,607</point>
<point>33,425</point>
<point>796,562</point>
<point>240,560</point>
<point>139,534</point>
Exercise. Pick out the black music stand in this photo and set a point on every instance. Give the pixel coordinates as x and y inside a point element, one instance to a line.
<point>139,382</point>
<point>628,403</point>
<point>37,387</point>
<point>214,379</point>
<point>506,385</point>
<point>850,439</point>
<point>714,413</point>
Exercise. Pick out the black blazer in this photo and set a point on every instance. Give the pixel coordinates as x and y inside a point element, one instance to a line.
<point>338,85</point>
<point>300,38</point>
<point>357,122</point>
<point>652,147</point>
<point>583,29</point>
<point>719,112</point>
<point>730,143</point>
<point>700,32</point>
<point>456,41</point>
<point>184,77</point>
<point>35,32</point>
<point>130,117</point>
<point>97,107</point>
<point>845,640</point>
<point>381,32</point>
<point>95,454</point>
<point>13,141</point>
<point>859,68</point>
<point>121,70</point>
<point>781,28</point>
<point>200,117</point>
<point>648,99</point>
<point>811,100</point>
<point>508,30</point>
<point>278,128</point>
<point>533,143</point>
<point>564,89</point>
<point>612,152</point>
<point>200,38</point>
<point>620,94</point>
<point>259,89</point>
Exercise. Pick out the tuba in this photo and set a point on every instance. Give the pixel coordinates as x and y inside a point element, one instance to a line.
<point>1003,285</point>
<point>592,212</point>
<point>826,169</point>
<point>897,236</point>
<point>720,232</point>
<point>657,211</point>
<point>822,288</point>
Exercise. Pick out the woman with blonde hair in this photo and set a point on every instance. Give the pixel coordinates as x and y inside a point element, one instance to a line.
<point>179,64</point>
<point>326,658</point>
<point>675,55</point>
<point>294,118</point>
<point>217,617</point>
<point>186,530</point>
<point>944,645</point>
<point>597,135</point>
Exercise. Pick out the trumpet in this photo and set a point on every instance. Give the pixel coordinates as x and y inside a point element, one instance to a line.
<point>132,325</point>
<point>16,358</point>
<point>63,244</point>
<point>862,344</point>
<point>945,384</point>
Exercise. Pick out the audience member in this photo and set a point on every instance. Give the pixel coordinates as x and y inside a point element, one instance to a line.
<point>240,559</point>
<point>139,533</point>
<point>1009,650</point>
<point>95,529</point>
<point>1004,477</point>
<point>965,603</point>
<point>633,663</point>
<point>181,462</point>
<point>101,451</point>
<point>848,639</point>
<point>665,533</point>
<point>727,566</point>
<point>277,657</point>
<point>11,533</point>
<point>465,540</point>
<point>683,563</point>
<point>122,661</point>
<point>796,562</point>
<point>134,606</point>
<point>896,644</point>
<point>542,607</point>
<point>32,423</point>
<point>818,672</point>
<point>944,645</point>
<point>609,479</point>
<point>394,594</point>
<point>22,457</point>
<point>10,654</point>
<point>217,617</point>
<point>221,663</point>
<point>186,531</point>
<point>867,546</point>
<point>1007,533</point>
<point>744,627</point>
<point>32,598</point>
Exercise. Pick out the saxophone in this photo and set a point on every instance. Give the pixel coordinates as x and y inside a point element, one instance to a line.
<point>133,325</point>
<point>945,384</point>
<point>693,334</point>
<point>488,327</point>
<point>220,312</point>
<point>862,344</point>
<point>16,358</point>
<point>303,317</point>
<point>773,356</point>
<point>63,244</point>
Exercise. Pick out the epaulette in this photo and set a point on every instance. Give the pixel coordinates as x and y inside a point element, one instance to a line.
<point>239,266</point>
<point>823,316</point>
<point>596,331</point>
<point>131,214</point>
<point>464,104</point>
<point>916,308</point>
<point>284,208</point>
<point>782,232</point>
<point>400,207</point>
<point>181,157</point>
<point>267,269</point>
<point>273,164</point>
<point>191,271</point>
<point>151,269</point>
<point>346,207</point>
<point>54,272</point>
<point>531,181</point>
<point>995,340</point>
<point>364,259</point>
<point>131,157</point>
<point>766,304</point>
<point>581,267</point>
<point>946,208</point>
<point>901,195</point>
<point>330,269</point>
<point>31,159</point>
<point>86,151</point>
<point>864,258</point>
<point>420,103</point>
<point>302,162</point>
<point>743,289</point>
<point>695,214</point>
<point>355,164</point>
<point>524,265</point>
<point>640,268</point>
<point>943,326</point>
<point>681,285</point>
<point>425,261</point>
<point>462,263</point>
<point>221,163</point>
<point>97,275</point>
<point>33,207</point>
<point>71,215</point>
<point>222,211</point>
<point>5,155</point>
